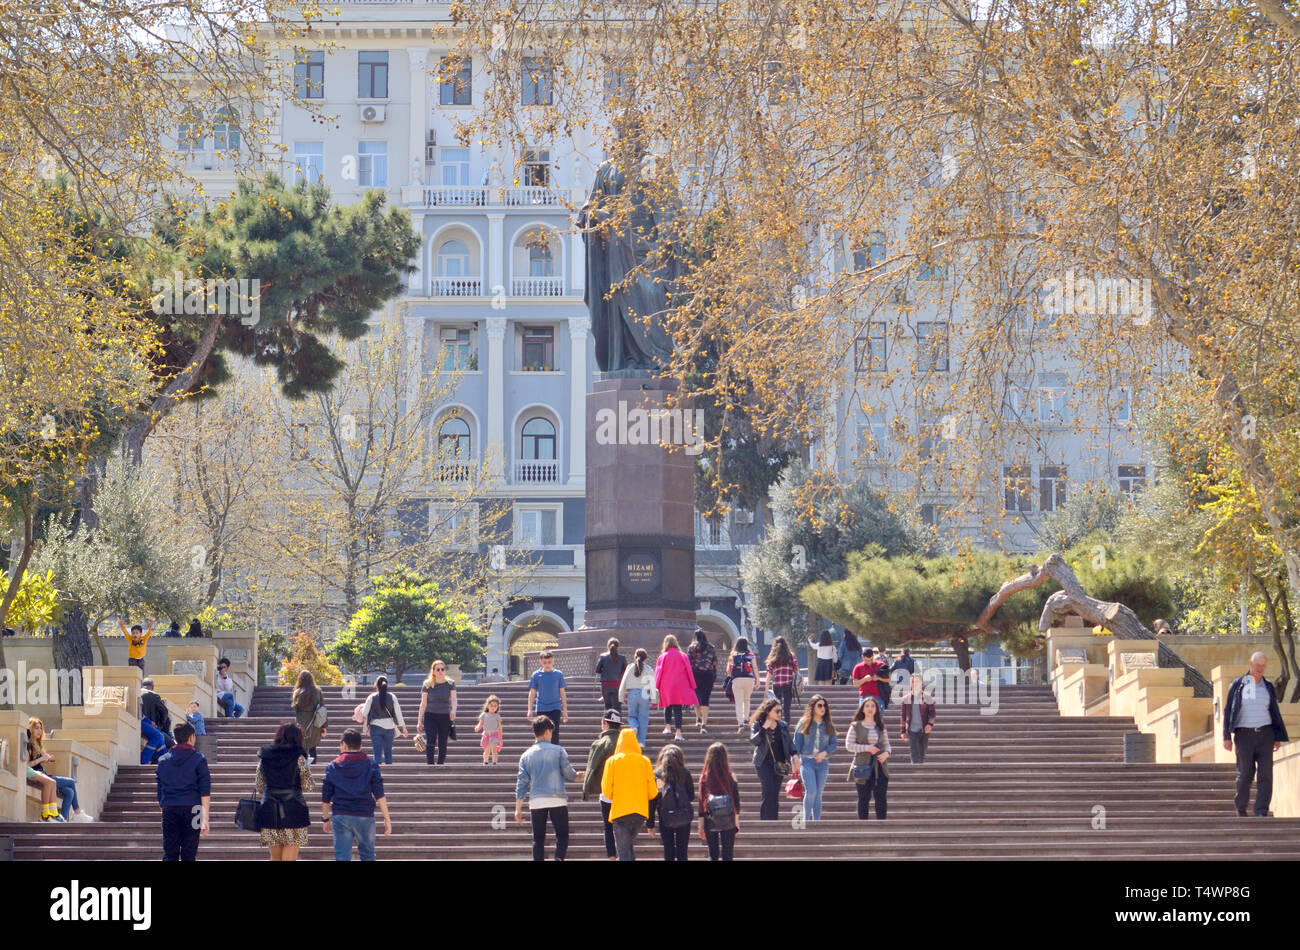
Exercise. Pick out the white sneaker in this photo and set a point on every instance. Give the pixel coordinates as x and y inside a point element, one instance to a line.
<point>668,730</point>
<point>82,816</point>
<point>679,738</point>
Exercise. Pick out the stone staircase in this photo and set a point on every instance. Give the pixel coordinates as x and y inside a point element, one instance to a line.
<point>1024,783</point>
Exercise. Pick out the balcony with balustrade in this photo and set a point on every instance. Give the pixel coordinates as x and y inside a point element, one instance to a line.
<point>536,472</point>
<point>494,197</point>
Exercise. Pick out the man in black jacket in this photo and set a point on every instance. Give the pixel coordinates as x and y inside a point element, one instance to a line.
<point>1252,723</point>
<point>154,708</point>
<point>609,673</point>
<point>185,795</point>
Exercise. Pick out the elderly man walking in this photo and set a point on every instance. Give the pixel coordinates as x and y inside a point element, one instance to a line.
<point>1253,723</point>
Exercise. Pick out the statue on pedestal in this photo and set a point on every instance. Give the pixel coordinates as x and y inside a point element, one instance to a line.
<point>628,313</point>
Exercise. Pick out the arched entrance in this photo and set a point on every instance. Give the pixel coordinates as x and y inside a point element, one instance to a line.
<point>530,633</point>
<point>719,630</point>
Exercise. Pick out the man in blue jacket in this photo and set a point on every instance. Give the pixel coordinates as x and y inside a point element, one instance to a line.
<point>185,794</point>
<point>1252,722</point>
<point>352,789</point>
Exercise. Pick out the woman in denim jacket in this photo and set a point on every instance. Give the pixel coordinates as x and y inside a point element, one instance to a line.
<point>814,741</point>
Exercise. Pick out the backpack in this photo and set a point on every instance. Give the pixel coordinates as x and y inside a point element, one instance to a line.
<point>740,666</point>
<point>675,812</point>
<point>722,813</point>
<point>702,659</point>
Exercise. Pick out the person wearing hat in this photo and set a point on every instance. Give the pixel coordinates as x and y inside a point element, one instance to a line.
<point>601,750</point>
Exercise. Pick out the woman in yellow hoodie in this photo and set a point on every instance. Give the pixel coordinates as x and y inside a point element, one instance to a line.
<point>629,784</point>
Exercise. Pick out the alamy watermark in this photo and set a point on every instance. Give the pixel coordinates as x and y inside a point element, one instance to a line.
<point>1117,296</point>
<point>660,426</point>
<point>22,686</point>
<point>233,297</point>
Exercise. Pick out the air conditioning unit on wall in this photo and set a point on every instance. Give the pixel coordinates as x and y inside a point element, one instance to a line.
<point>373,113</point>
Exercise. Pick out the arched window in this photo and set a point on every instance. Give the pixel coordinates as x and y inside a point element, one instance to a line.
<point>225,131</point>
<point>454,439</point>
<point>189,133</point>
<point>538,440</point>
<point>540,263</point>
<point>453,259</point>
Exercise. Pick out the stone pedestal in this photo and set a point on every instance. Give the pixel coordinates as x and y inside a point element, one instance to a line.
<point>640,537</point>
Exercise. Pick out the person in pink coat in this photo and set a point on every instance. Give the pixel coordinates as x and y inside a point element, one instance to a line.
<point>675,682</point>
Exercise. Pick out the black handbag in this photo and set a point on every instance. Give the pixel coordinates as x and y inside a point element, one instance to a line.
<point>783,769</point>
<point>246,815</point>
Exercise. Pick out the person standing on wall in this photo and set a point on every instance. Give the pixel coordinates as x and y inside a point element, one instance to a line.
<point>609,673</point>
<point>547,694</point>
<point>917,720</point>
<point>437,712</point>
<point>704,666</point>
<point>1253,727</point>
<point>137,642</point>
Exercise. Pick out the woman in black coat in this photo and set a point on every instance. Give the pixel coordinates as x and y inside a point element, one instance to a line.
<point>773,755</point>
<point>282,779</point>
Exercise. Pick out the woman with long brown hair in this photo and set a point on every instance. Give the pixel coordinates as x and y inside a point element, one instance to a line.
<point>868,740</point>
<point>676,795</point>
<point>769,734</point>
<point>282,779</point>
<point>814,741</point>
<point>782,671</point>
<point>719,804</point>
<point>52,787</point>
<point>309,713</point>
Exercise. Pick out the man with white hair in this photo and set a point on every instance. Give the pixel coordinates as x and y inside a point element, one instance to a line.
<point>1253,723</point>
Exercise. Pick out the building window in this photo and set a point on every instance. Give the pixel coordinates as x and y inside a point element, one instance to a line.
<point>1124,407</point>
<point>1051,487</point>
<point>618,85</point>
<point>930,439</point>
<point>372,75</point>
<point>309,75</point>
<point>932,346</point>
<point>189,133</point>
<point>537,527</point>
<point>1132,479</point>
<point>539,349</point>
<point>869,351</point>
<point>1052,406</point>
<point>456,87</point>
<point>453,259</point>
<point>454,438</point>
<point>932,514</point>
<point>225,132</point>
<point>538,443</point>
<point>872,437</point>
<point>1017,488</point>
<point>930,270</point>
<point>540,262</point>
<point>711,532</point>
<point>538,83</point>
<point>455,166</point>
<point>456,354</point>
<point>309,161</point>
<point>456,525</point>
<point>537,167</point>
<point>871,254</point>
<point>372,164</point>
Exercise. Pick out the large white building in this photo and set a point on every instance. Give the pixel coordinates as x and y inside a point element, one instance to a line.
<point>498,295</point>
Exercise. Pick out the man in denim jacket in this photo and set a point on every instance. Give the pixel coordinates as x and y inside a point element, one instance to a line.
<point>543,770</point>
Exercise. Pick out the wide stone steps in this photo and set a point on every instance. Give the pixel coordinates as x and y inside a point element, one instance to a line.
<point>1021,784</point>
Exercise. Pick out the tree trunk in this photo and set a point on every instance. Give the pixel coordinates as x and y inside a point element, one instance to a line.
<point>72,641</point>
<point>1072,600</point>
<point>1288,638</point>
<point>1275,628</point>
<point>133,440</point>
<point>961,646</point>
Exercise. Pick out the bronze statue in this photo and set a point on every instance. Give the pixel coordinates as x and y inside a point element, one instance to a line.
<point>627,313</point>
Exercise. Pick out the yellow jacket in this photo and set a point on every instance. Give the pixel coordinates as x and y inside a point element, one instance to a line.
<point>629,779</point>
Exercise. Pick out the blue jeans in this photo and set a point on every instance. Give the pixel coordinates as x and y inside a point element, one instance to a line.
<point>228,705</point>
<point>156,743</point>
<point>814,784</point>
<point>348,827</point>
<point>382,741</point>
<point>68,790</point>
<point>638,713</point>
